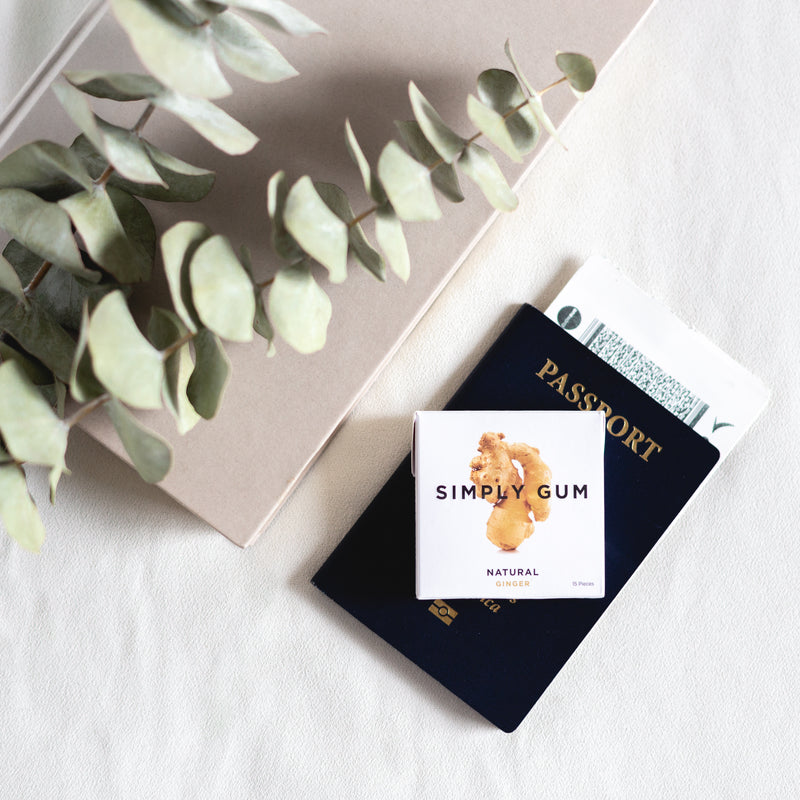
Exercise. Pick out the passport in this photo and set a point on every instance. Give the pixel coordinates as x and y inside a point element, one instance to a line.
<point>499,656</point>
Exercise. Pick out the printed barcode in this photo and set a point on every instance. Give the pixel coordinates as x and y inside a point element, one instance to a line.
<point>643,372</point>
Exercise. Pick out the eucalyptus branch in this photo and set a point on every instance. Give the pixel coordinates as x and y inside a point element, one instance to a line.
<point>87,409</point>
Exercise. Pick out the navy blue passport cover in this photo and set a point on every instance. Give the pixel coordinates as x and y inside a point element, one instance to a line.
<point>500,656</point>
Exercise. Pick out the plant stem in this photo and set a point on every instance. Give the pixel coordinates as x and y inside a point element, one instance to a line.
<point>553,85</point>
<point>263,285</point>
<point>84,411</point>
<point>38,278</point>
<point>175,346</point>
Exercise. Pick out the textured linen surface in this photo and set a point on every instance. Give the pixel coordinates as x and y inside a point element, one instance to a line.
<point>143,656</point>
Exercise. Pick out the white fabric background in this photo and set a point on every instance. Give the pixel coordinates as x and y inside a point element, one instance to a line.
<point>142,655</point>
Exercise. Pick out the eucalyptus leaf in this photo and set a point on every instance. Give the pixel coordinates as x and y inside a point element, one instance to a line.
<point>444,176</point>
<point>30,430</point>
<point>479,165</point>
<point>372,185</point>
<point>83,383</point>
<point>43,228</point>
<point>17,509</point>
<point>299,309</point>
<point>10,282</point>
<point>493,126</point>
<point>446,142</point>
<point>172,45</point>
<point>243,48</point>
<point>335,198</point>
<point>212,371</point>
<point>43,167</point>
<point>127,154</point>
<point>210,121</point>
<point>500,90</point>
<point>392,240</point>
<point>283,243</point>
<point>37,333</point>
<point>407,184</point>
<point>37,373</point>
<point>119,86</point>
<point>60,294</point>
<point>136,222</point>
<point>579,71</point>
<point>95,217</point>
<point>61,398</point>
<point>178,246</point>
<point>149,453</point>
<point>515,64</point>
<point>536,105</point>
<point>278,15</point>
<point>316,228</point>
<point>261,324</point>
<point>123,360</point>
<point>222,290</point>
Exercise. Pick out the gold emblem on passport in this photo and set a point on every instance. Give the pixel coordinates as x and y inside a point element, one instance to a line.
<point>443,611</point>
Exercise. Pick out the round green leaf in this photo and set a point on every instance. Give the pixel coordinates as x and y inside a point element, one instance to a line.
<point>10,282</point>
<point>37,373</point>
<point>500,90</point>
<point>41,166</point>
<point>493,126</point>
<point>579,70</point>
<point>17,509</point>
<point>444,176</point>
<point>222,290</point>
<point>43,228</point>
<point>446,142</point>
<point>246,51</point>
<point>172,45</point>
<point>119,86</point>
<point>299,309</point>
<point>261,324</point>
<point>123,360</point>
<point>392,240</point>
<point>30,429</point>
<point>212,371</point>
<point>478,164</point>
<point>316,228</point>
<point>149,453</point>
<point>83,383</point>
<point>278,15</point>
<point>407,184</point>
<point>283,242</point>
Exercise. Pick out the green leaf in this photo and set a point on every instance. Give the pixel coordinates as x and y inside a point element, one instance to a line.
<point>211,374</point>
<point>536,105</point>
<point>407,184</point>
<point>493,126</point>
<point>119,86</point>
<point>37,373</point>
<point>178,246</point>
<point>95,217</point>
<point>210,121</point>
<point>43,166</point>
<point>283,242</point>
<point>299,309</point>
<point>17,509</point>
<point>222,290</point>
<point>372,185</point>
<point>517,69</point>
<point>150,454</point>
<point>500,90</point>
<point>392,240</point>
<point>172,45</point>
<point>43,228</point>
<point>34,330</point>
<point>579,70</point>
<point>335,198</point>
<point>119,146</point>
<point>278,15</point>
<point>261,324</point>
<point>316,228</point>
<point>30,429</point>
<point>60,294</point>
<point>184,183</point>
<point>136,222</point>
<point>123,360</point>
<point>10,282</point>
<point>446,142</point>
<point>478,164</point>
<point>246,51</point>
<point>444,176</point>
<point>164,330</point>
<point>83,383</point>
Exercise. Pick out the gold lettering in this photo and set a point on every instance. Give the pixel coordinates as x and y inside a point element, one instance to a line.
<point>587,403</point>
<point>634,438</point>
<point>610,426</point>
<point>653,446</point>
<point>550,368</point>
<point>575,392</point>
<point>559,383</point>
<point>605,407</point>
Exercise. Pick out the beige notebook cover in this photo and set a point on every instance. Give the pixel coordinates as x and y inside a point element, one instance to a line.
<point>278,413</point>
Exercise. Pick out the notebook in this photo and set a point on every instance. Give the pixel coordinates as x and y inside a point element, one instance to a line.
<point>278,413</point>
